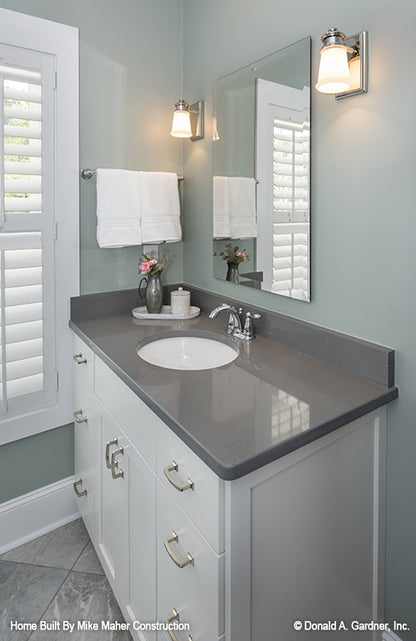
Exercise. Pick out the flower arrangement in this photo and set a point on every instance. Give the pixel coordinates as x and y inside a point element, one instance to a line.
<point>234,255</point>
<point>149,265</point>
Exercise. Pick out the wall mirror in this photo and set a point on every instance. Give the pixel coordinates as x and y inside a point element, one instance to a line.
<point>261,183</point>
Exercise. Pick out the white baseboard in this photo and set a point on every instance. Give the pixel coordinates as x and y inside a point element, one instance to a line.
<point>31,515</point>
<point>390,636</point>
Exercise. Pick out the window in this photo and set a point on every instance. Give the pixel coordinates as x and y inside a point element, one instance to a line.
<point>38,205</point>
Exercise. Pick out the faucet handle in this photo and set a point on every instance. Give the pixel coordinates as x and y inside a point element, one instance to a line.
<point>248,331</point>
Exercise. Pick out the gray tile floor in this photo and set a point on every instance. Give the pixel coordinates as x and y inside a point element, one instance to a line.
<point>53,579</point>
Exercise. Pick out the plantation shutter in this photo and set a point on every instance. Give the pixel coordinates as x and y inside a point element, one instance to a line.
<point>291,259</point>
<point>290,171</point>
<point>27,339</point>
<point>291,208</point>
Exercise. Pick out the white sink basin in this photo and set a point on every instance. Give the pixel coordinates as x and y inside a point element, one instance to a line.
<point>187,352</point>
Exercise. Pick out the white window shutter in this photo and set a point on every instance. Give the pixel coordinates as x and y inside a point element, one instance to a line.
<point>27,289</point>
<point>291,208</point>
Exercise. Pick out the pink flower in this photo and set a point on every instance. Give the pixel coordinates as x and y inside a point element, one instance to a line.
<point>145,267</point>
<point>242,256</point>
<point>153,261</point>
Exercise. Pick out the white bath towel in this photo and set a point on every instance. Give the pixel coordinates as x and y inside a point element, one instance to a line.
<point>243,215</point>
<point>118,208</point>
<point>221,208</point>
<point>160,209</point>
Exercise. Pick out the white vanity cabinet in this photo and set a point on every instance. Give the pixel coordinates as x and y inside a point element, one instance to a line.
<point>299,539</point>
<point>119,506</point>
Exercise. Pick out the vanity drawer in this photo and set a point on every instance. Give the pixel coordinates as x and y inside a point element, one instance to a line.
<point>203,499</point>
<point>200,582</point>
<point>137,421</point>
<point>83,360</point>
<point>173,606</point>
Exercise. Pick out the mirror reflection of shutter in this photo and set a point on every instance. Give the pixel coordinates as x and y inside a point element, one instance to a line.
<point>26,232</point>
<point>290,208</point>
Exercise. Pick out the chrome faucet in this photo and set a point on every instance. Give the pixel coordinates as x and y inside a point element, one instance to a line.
<point>235,326</point>
<point>234,320</point>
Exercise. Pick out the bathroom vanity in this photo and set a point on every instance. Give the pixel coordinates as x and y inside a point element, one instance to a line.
<point>238,500</point>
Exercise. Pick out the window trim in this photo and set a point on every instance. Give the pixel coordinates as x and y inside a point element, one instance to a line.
<point>21,30</point>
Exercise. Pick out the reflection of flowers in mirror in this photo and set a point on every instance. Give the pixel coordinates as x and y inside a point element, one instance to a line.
<point>150,265</point>
<point>234,255</point>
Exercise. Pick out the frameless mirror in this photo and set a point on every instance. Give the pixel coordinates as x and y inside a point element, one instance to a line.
<point>261,184</point>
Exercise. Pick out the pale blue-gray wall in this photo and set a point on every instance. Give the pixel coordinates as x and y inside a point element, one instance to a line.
<point>130,77</point>
<point>363,212</point>
<point>31,463</point>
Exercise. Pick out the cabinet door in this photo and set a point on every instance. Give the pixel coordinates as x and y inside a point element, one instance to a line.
<point>87,424</point>
<point>113,515</point>
<point>141,598</point>
<point>85,489</point>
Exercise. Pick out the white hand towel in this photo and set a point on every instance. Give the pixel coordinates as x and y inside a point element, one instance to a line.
<point>221,208</point>
<point>243,215</point>
<point>118,208</point>
<point>160,207</point>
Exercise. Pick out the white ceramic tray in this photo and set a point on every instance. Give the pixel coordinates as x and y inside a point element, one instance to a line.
<point>141,312</point>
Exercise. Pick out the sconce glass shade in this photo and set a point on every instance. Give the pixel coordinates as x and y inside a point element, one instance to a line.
<point>333,75</point>
<point>181,123</point>
<point>355,72</point>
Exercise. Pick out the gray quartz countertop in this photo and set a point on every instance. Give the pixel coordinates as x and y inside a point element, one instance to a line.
<point>268,402</point>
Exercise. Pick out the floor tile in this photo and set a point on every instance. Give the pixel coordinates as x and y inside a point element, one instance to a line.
<point>57,549</point>
<point>26,591</point>
<point>83,597</point>
<point>88,561</point>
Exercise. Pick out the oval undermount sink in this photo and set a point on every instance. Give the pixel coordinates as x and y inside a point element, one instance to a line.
<point>187,352</point>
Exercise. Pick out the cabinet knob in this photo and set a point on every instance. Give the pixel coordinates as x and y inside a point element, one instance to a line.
<point>114,464</point>
<point>77,417</point>
<point>78,492</point>
<point>181,563</point>
<point>107,452</point>
<point>79,358</point>
<point>181,487</point>
<point>174,616</point>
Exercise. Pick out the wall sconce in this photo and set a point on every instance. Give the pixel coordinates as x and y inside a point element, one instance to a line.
<point>343,64</point>
<point>188,121</point>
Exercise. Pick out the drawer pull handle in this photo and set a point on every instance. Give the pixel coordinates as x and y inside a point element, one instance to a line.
<point>173,467</point>
<point>77,417</point>
<point>107,452</point>
<point>181,563</point>
<point>79,359</point>
<point>114,465</point>
<point>77,491</point>
<point>174,616</point>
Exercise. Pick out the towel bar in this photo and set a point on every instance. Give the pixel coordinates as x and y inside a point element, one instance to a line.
<point>86,174</point>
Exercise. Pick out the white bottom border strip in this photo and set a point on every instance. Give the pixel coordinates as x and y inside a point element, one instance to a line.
<point>31,515</point>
